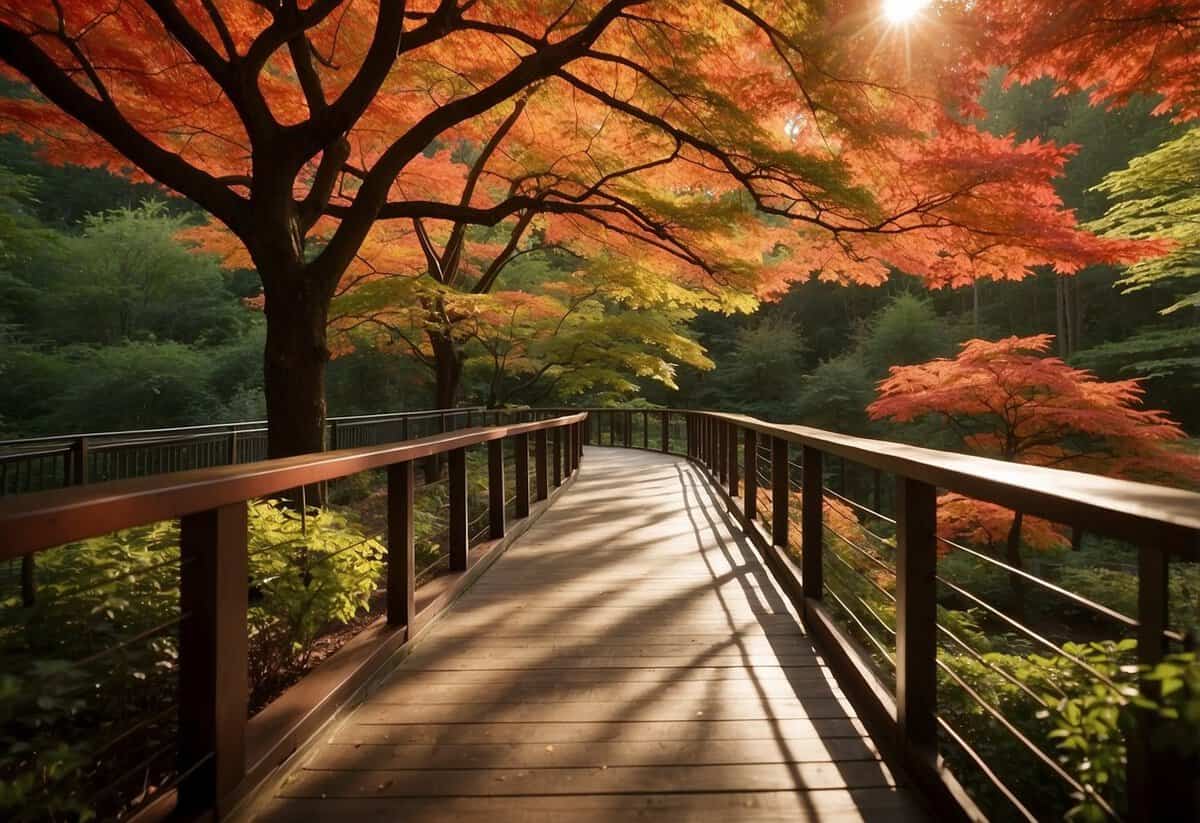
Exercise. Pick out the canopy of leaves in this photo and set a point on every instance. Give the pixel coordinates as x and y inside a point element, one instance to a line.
<point>1113,49</point>
<point>671,124</point>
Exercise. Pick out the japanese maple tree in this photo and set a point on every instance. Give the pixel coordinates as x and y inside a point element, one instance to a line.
<point>1008,399</point>
<point>301,126</point>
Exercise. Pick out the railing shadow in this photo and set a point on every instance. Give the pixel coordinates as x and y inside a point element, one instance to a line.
<point>567,649</point>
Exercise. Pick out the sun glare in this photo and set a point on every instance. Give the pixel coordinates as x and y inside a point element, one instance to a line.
<point>902,11</point>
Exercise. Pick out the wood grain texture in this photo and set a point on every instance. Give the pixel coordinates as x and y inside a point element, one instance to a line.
<point>629,656</point>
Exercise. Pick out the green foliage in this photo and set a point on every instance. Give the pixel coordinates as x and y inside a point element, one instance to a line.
<point>127,277</point>
<point>835,396</point>
<point>69,667</point>
<point>1157,196</point>
<point>307,574</point>
<point>762,367</point>
<point>906,331</point>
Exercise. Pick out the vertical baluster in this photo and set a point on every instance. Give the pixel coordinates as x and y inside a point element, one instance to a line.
<point>715,437</point>
<point>496,489</point>
<point>665,431</point>
<point>459,523</point>
<point>540,467</point>
<point>916,618</point>
<point>731,440</point>
<point>558,477</point>
<point>1162,785</point>
<point>812,526</point>
<point>401,559</point>
<point>521,453</point>
<point>79,461</point>
<point>779,491</point>
<point>213,662</point>
<point>750,466</point>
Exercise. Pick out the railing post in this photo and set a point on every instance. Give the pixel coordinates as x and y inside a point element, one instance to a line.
<point>539,459</point>
<point>1162,785</point>
<point>666,432</point>
<point>333,435</point>
<point>722,451</point>
<point>459,521</point>
<point>496,488</point>
<point>404,428</point>
<point>401,543</point>
<point>812,525</point>
<point>916,618</point>
<point>213,663</point>
<point>612,428</point>
<point>521,446</point>
<point>573,439</point>
<point>718,452</point>
<point>731,462</point>
<point>779,491</point>
<point>233,448</point>
<point>645,430</point>
<point>627,422</point>
<point>750,470</point>
<point>558,477</point>
<point>79,461</point>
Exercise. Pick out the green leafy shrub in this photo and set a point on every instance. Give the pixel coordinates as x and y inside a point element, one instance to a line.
<point>97,653</point>
<point>307,576</point>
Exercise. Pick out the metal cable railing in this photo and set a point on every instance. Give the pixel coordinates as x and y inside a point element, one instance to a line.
<point>987,670</point>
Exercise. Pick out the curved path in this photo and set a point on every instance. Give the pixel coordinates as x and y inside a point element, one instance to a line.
<point>628,657</point>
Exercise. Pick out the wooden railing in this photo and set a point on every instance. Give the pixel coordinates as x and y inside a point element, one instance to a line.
<point>40,463</point>
<point>793,490</point>
<point>762,469</point>
<point>219,751</point>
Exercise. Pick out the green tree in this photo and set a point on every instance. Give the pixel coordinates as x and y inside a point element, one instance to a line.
<point>1158,195</point>
<point>128,277</point>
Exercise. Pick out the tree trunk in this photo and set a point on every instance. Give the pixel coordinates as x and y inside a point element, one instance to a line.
<point>447,367</point>
<point>975,306</point>
<point>1060,316</point>
<point>447,376</point>
<point>294,370</point>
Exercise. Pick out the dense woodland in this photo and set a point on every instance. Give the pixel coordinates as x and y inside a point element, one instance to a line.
<point>115,317</point>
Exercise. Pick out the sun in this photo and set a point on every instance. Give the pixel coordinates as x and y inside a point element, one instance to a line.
<point>899,12</point>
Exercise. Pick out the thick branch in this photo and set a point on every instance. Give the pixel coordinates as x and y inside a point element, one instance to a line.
<point>107,121</point>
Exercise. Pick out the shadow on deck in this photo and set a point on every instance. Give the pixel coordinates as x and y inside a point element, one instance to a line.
<point>629,656</point>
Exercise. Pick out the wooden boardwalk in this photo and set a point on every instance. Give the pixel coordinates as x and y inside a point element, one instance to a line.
<point>629,657</point>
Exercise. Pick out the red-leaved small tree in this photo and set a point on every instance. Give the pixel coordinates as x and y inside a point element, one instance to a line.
<point>1008,399</point>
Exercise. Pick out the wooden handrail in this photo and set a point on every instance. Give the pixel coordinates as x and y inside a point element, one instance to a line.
<point>1123,509</point>
<point>41,520</point>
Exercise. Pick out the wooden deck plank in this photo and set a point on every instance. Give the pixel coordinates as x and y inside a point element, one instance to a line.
<point>630,655</point>
<point>829,806</point>
<point>596,754</point>
<point>709,729</point>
